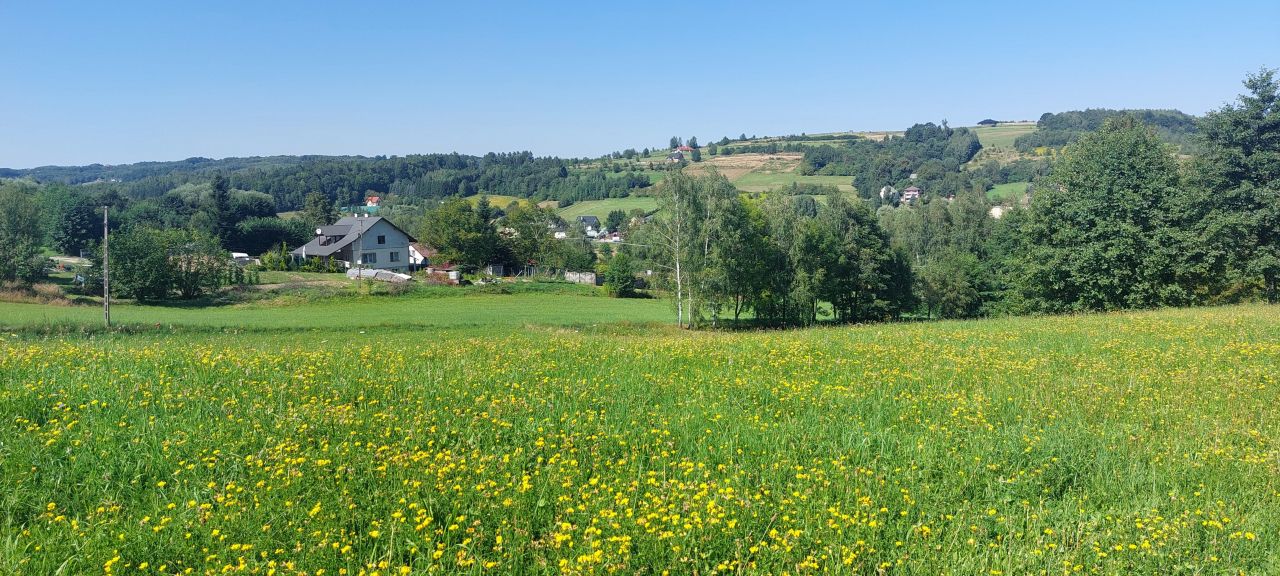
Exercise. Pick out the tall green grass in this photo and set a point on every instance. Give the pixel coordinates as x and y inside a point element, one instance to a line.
<point>1143,443</point>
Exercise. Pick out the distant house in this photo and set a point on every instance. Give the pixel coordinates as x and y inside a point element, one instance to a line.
<point>910,194</point>
<point>591,223</point>
<point>373,201</point>
<point>684,148</point>
<point>364,241</point>
<point>675,157</point>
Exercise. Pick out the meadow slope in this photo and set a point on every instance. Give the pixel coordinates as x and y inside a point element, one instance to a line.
<point>1126,443</point>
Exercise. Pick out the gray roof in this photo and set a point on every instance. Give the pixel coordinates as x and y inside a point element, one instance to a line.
<point>589,220</point>
<point>340,235</point>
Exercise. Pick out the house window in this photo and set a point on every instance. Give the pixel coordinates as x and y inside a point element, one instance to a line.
<point>369,258</point>
<point>382,239</point>
<point>395,257</point>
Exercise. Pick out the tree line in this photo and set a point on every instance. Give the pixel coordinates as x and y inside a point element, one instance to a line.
<point>1058,130</point>
<point>346,180</point>
<point>1119,222</point>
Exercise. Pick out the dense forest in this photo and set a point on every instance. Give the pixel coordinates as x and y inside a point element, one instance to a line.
<point>345,180</point>
<point>1058,130</point>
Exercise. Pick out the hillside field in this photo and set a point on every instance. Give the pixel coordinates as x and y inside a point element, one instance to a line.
<point>497,200</point>
<point>601,208</point>
<point>326,444</point>
<point>764,172</point>
<point>1003,135</point>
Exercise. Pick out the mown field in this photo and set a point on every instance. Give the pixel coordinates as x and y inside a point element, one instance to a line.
<point>1114,444</point>
<point>763,182</point>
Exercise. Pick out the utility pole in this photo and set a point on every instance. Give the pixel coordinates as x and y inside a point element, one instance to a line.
<point>106,275</point>
<point>359,252</point>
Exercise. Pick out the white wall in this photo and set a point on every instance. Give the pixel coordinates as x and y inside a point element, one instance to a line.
<point>395,242</point>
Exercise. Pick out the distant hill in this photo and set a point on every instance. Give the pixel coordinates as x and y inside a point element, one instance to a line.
<point>345,180</point>
<point>922,155</point>
<point>140,170</point>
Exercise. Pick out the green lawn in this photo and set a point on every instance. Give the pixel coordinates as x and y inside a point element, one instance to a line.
<point>1002,136</point>
<point>601,208</point>
<point>1010,192</point>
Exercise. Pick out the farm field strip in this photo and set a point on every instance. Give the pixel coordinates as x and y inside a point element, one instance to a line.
<point>478,310</point>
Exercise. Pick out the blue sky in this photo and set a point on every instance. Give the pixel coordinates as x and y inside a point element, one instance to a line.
<point>117,82</point>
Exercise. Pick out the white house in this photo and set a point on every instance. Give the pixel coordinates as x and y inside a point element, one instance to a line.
<point>365,241</point>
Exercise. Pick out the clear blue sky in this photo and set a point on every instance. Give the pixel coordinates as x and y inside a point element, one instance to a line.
<point>117,82</point>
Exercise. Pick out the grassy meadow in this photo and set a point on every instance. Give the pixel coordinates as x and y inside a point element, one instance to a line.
<point>1111,444</point>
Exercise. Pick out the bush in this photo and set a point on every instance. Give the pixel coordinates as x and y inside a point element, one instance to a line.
<point>620,276</point>
<point>150,264</point>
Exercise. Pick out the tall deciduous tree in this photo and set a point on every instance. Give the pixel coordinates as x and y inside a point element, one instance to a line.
<point>530,240</point>
<point>1094,232</point>
<point>846,257</point>
<point>75,221</point>
<point>460,235</point>
<point>674,238</point>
